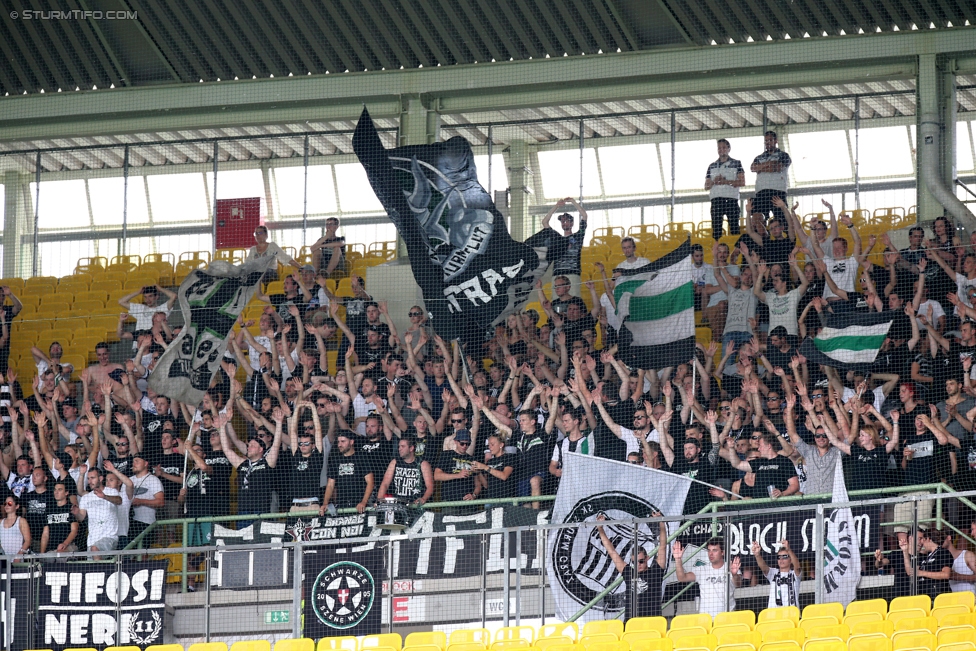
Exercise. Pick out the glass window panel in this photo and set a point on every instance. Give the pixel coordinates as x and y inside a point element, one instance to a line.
<point>964,148</point>
<point>819,156</point>
<point>884,151</point>
<point>902,198</point>
<point>60,258</point>
<point>237,184</point>
<point>560,172</point>
<point>499,175</point>
<point>369,233</point>
<point>177,244</point>
<point>107,197</point>
<point>290,191</point>
<point>63,205</point>
<point>630,169</point>
<point>140,245</point>
<point>692,161</point>
<point>355,193</point>
<point>177,198</point>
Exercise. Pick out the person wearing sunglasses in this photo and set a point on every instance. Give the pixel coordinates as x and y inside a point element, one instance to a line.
<point>642,586</point>
<point>784,581</point>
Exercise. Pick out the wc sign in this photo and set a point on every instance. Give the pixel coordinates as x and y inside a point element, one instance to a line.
<point>94,605</point>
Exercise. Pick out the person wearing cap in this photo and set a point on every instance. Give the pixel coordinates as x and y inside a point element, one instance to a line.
<point>569,264</point>
<point>455,472</point>
<point>143,312</point>
<point>148,495</point>
<point>329,252</point>
<point>408,479</point>
<point>350,476</point>
<point>256,470</point>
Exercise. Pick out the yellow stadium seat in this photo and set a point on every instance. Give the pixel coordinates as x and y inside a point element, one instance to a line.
<point>435,638</point>
<point>468,635</point>
<point>251,645</point>
<point>814,622</point>
<point>554,643</point>
<point>752,638</point>
<point>506,633</point>
<point>638,624</point>
<point>568,629</point>
<point>881,627</point>
<point>869,643</point>
<point>107,285</point>
<point>956,619</point>
<point>633,636</point>
<point>930,624</point>
<point>825,645</point>
<point>341,643</point>
<point>16,285</point>
<point>834,610</point>
<point>967,599</point>
<point>852,620</point>
<point>954,635</point>
<point>696,643</point>
<point>122,648</point>
<point>505,645</point>
<point>919,602</point>
<point>786,635</point>
<point>914,642</point>
<point>736,647</point>
<point>941,612</point>
<point>661,644</point>
<point>836,632</point>
<point>778,625</point>
<point>787,613</point>
<point>603,626</point>
<point>957,646</point>
<point>701,620</point>
<point>736,617</point>
<point>719,631</point>
<point>615,645</point>
<point>469,646</point>
<point>586,641</point>
<point>208,646</point>
<point>677,633</point>
<point>300,644</point>
<point>780,646</point>
<point>910,613</point>
<point>392,640</point>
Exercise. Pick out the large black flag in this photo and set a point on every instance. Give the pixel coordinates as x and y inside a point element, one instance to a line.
<point>470,270</point>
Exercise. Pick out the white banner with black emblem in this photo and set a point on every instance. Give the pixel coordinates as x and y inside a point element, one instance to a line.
<point>578,565</point>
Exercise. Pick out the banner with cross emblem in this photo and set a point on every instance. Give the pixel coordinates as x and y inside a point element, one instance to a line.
<point>344,591</point>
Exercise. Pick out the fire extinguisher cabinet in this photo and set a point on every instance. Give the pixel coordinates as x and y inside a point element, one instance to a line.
<point>236,221</point>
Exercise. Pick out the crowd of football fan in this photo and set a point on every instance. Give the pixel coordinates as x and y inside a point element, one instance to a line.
<point>410,416</point>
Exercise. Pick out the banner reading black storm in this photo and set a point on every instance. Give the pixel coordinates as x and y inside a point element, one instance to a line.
<point>211,300</point>
<point>343,591</point>
<point>470,270</point>
<point>91,605</point>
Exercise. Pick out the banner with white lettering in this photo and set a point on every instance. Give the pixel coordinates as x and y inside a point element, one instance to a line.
<point>94,605</point>
<point>343,591</point>
<point>16,607</point>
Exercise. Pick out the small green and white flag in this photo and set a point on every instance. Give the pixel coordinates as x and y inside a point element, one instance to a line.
<point>656,303</point>
<point>850,340</point>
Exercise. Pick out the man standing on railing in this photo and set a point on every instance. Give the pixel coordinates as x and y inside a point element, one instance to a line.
<point>569,264</point>
<point>712,577</point>
<point>772,178</point>
<point>723,179</point>
<point>643,586</point>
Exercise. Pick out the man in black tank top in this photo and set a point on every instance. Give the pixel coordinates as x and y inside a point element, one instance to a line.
<point>408,480</point>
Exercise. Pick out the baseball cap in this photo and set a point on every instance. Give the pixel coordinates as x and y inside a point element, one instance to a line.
<point>462,435</point>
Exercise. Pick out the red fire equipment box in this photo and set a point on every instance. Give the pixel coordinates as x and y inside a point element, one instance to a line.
<point>236,221</point>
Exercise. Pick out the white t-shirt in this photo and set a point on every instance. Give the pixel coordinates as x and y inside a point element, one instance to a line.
<point>143,314</point>
<point>273,250</point>
<point>630,438</point>
<point>730,171</point>
<point>843,271</point>
<point>718,297</point>
<point>103,516</point>
<point>145,488</point>
<point>784,589</point>
<point>923,310</point>
<point>879,396</point>
<point>962,284</point>
<point>124,511</point>
<point>638,262</point>
<point>742,307</point>
<point>782,310</point>
<point>712,586</point>
<point>699,275</point>
<point>361,409</point>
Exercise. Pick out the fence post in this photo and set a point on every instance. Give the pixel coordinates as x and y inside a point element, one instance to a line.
<point>818,541</point>
<point>390,575</point>
<point>296,590</point>
<point>542,540</point>
<point>118,600</point>
<point>507,589</point>
<point>914,544</point>
<point>518,577</point>
<point>9,627</point>
<point>484,580</point>
<point>209,565</point>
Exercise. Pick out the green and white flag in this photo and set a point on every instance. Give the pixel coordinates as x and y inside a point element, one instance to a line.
<point>842,556</point>
<point>656,303</point>
<point>850,341</point>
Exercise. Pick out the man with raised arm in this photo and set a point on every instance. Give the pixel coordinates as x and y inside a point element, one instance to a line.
<point>643,585</point>
<point>716,595</point>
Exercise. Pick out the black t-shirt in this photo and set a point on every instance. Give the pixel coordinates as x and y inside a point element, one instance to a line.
<point>378,454</point>
<point>498,487</point>
<point>773,472</point>
<point>349,473</point>
<point>867,468</point>
<point>36,506</point>
<point>152,426</point>
<point>774,251</point>
<point>219,482</point>
<point>302,475</point>
<point>255,481</point>
<point>535,450</point>
<point>934,561</point>
<point>408,482</point>
<point>58,520</point>
<point>647,588</point>
<point>920,469</point>
<point>171,464</point>
<point>698,495</point>
<point>328,251</point>
<point>122,464</point>
<point>199,493</point>
<point>779,359</point>
<point>453,463</point>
